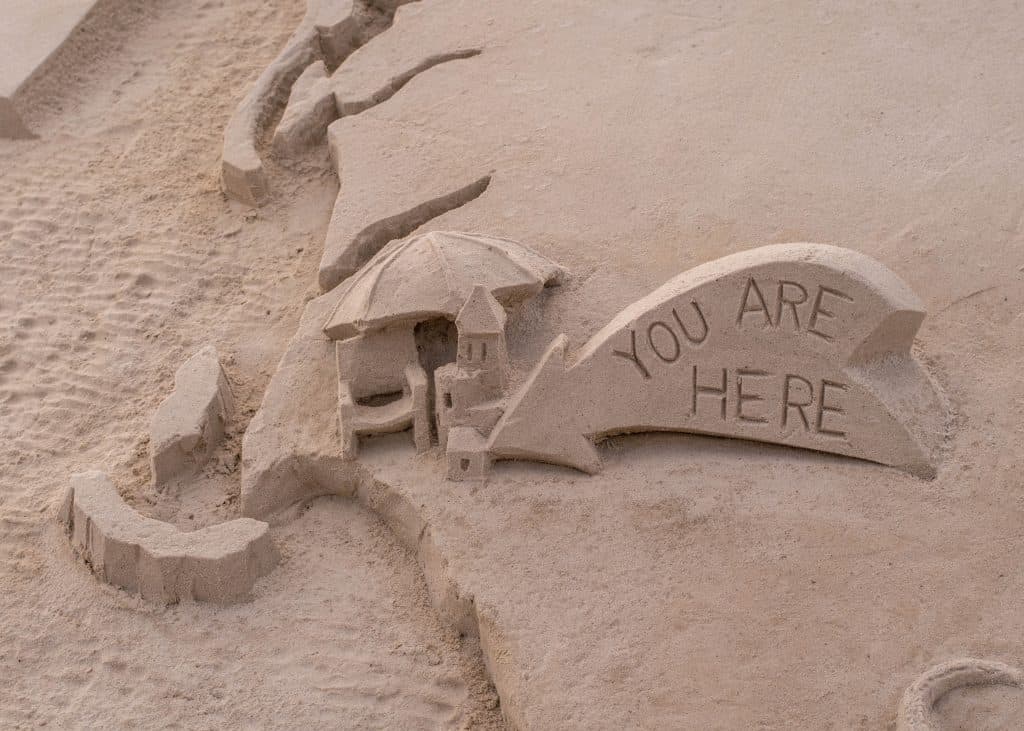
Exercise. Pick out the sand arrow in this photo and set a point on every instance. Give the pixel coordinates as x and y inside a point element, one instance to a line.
<point>560,437</point>
<point>798,344</point>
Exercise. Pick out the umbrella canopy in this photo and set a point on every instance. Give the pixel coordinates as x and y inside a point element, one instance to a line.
<point>431,275</point>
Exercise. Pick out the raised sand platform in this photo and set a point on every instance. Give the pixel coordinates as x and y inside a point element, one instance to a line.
<point>31,32</point>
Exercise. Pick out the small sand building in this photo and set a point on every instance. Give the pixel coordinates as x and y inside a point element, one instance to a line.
<point>469,391</point>
<point>396,324</point>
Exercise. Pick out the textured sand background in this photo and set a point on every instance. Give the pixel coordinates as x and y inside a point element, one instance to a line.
<point>119,257</point>
<point>696,583</point>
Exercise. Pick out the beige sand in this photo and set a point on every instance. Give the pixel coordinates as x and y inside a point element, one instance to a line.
<point>917,709</point>
<point>188,426</point>
<point>694,582</point>
<point>119,259</point>
<point>32,33</point>
<point>219,563</point>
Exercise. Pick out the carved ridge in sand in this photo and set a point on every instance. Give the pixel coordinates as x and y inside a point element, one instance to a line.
<point>330,30</point>
<point>189,424</point>
<point>161,563</point>
<point>916,707</point>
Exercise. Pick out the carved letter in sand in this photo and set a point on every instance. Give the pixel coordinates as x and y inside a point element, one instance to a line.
<point>799,344</point>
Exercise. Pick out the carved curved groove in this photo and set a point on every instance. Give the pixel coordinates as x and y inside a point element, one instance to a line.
<point>342,258</point>
<point>356,106</point>
<point>330,30</point>
<point>915,712</point>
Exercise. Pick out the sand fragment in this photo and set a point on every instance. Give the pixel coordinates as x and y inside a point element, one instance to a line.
<point>189,424</point>
<point>217,564</point>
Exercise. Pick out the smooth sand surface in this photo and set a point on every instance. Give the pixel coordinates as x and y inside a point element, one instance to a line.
<point>30,33</point>
<point>695,582</point>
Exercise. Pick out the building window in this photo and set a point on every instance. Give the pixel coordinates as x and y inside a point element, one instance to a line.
<point>483,352</point>
<point>469,352</point>
<point>448,400</point>
<point>464,464</point>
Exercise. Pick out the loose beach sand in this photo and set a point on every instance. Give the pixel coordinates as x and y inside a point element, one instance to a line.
<point>695,582</point>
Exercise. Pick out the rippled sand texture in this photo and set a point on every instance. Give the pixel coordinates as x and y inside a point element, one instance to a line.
<point>119,257</point>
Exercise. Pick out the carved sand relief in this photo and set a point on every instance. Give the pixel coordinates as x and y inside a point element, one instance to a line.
<point>163,564</point>
<point>329,31</point>
<point>219,563</point>
<point>420,341</point>
<point>315,91</point>
<point>799,344</point>
<point>916,707</point>
<point>188,425</point>
<point>777,352</point>
<point>298,85</point>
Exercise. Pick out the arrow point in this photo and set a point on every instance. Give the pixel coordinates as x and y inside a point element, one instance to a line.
<point>534,428</point>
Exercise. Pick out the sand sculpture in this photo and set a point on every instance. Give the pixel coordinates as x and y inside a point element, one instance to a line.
<point>163,564</point>
<point>915,712</point>
<point>468,391</point>
<point>799,344</point>
<point>300,79</point>
<point>795,351</point>
<point>328,30</point>
<point>155,559</point>
<point>804,345</point>
<point>395,344</point>
<point>328,33</point>
<point>187,427</point>
<point>320,92</point>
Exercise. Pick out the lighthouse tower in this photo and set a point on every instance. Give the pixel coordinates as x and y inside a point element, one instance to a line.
<point>467,390</point>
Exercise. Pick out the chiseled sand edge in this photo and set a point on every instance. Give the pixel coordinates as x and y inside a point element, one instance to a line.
<point>28,49</point>
<point>161,563</point>
<point>189,424</point>
<point>329,31</point>
<point>915,713</point>
<point>291,453</point>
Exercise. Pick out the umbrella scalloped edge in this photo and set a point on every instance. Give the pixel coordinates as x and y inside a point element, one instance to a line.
<point>513,274</point>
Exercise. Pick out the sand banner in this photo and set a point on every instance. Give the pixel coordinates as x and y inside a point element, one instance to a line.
<point>805,345</point>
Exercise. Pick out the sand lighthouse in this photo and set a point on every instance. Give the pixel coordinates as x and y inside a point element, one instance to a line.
<point>468,390</point>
